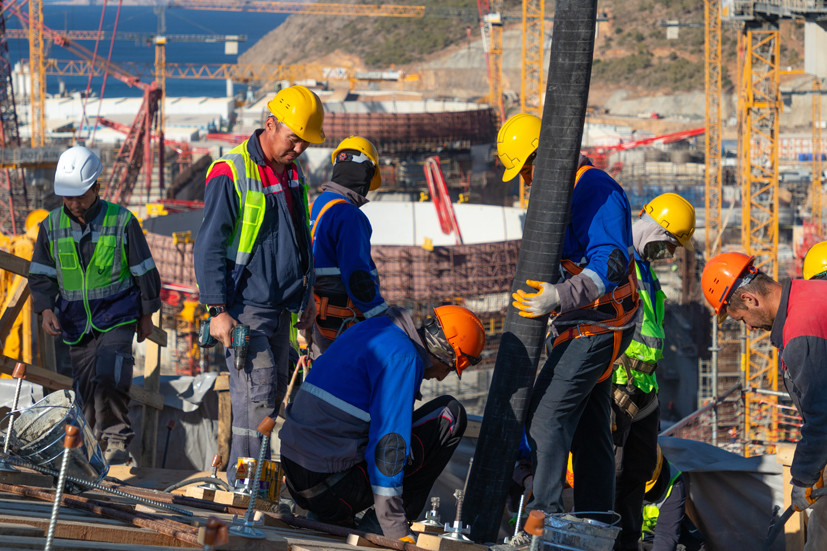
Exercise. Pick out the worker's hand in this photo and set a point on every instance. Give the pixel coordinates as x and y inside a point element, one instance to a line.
<point>50,323</point>
<point>308,316</point>
<point>221,328</point>
<point>801,497</point>
<point>144,327</point>
<point>534,305</point>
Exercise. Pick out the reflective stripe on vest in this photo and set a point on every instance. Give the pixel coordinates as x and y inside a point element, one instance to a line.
<point>107,273</point>
<point>251,200</point>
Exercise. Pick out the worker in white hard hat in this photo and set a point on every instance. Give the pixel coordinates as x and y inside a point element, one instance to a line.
<point>347,283</point>
<point>253,260</point>
<point>93,280</point>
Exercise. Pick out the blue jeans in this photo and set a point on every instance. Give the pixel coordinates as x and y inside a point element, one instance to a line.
<point>571,411</point>
<point>256,391</point>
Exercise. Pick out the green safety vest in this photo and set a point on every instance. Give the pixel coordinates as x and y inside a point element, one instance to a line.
<point>103,296</point>
<point>647,342</point>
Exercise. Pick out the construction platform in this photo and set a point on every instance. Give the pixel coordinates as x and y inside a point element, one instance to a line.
<point>101,520</point>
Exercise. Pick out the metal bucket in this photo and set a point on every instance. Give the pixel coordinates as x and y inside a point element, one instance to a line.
<point>587,531</point>
<point>38,437</point>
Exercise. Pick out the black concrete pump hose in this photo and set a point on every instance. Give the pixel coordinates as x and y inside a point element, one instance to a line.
<point>521,345</point>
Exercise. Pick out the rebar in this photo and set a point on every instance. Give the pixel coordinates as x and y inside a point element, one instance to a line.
<point>61,480</point>
<point>11,416</point>
<point>98,486</point>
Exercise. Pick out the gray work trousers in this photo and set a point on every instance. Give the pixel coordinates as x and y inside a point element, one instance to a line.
<point>102,365</point>
<point>257,390</point>
<point>571,411</point>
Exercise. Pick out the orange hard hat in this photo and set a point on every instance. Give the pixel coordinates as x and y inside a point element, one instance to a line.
<point>720,276</point>
<point>458,337</point>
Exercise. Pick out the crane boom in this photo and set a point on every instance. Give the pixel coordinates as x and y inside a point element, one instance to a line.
<point>319,8</point>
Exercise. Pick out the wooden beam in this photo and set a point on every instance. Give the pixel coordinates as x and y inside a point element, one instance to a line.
<point>56,381</point>
<point>17,299</point>
<point>14,264</point>
<point>95,531</point>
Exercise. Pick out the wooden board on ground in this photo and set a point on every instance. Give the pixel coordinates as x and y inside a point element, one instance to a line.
<point>270,542</point>
<point>422,528</point>
<point>436,543</point>
<point>88,531</point>
<point>26,478</point>
<point>359,541</point>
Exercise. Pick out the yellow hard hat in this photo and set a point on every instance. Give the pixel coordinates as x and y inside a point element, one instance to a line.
<point>517,140</point>
<point>301,110</point>
<point>35,217</point>
<point>815,262</point>
<point>676,215</point>
<point>358,143</point>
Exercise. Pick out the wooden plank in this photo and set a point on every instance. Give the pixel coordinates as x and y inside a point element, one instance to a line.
<point>94,531</point>
<point>152,383</point>
<point>56,381</point>
<point>14,264</point>
<point>795,529</point>
<point>224,436</point>
<point>14,305</point>
<point>26,478</point>
<point>270,542</point>
<point>436,543</point>
<point>222,382</point>
<point>9,528</point>
<point>357,540</point>
<point>15,543</point>
<point>421,527</point>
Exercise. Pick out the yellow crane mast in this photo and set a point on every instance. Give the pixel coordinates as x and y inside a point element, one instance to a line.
<point>816,215</point>
<point>714,170</point>
<point>37,72</point>
<point>531,93</point>
<point>760,110</point>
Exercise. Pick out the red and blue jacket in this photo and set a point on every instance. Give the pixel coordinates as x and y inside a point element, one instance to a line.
<point>800,334</point>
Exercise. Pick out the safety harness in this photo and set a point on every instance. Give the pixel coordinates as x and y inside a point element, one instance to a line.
<point>628,397</point>
<point>621,304</point>
<point>334,313</point>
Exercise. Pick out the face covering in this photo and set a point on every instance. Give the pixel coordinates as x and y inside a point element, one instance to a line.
<point>658,250</point>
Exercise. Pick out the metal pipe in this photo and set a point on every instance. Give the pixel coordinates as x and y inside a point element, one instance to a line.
<point>69,442</point>
<point>695,414</point>
<point>714,348</point>
<point>19,373</point>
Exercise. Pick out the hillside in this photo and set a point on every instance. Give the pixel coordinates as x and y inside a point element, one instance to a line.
<point>631,52</point>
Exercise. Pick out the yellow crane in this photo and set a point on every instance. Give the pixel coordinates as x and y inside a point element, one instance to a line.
<point>531,90</point>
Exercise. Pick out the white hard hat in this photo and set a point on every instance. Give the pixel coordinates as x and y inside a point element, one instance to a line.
<point>77,170</point>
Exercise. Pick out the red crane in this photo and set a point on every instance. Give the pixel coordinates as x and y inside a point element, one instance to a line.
<point>442,200</point>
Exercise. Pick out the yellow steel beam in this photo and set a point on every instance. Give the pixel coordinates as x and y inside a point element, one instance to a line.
<point>37,74</point>
<point>714,169</point>
<point>531,89</point>
<point>816,216</point>
<point>320,8</point>
<point>760,101</point>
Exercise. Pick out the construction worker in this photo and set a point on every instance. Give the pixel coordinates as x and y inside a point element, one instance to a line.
<point>815,262</point>
<point>347,283</point>
<point>664,224</point>
<point>93,280</point>
<point>253,261</point>
<point>593,311</point>
<point>352,439</point>
<point>795,314</point>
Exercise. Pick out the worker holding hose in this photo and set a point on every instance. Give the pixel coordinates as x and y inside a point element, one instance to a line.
<point>795,314</point>
<point>93,280</point>
<point>253,261</point>
<point>347,283</point>
<point>593,319</point>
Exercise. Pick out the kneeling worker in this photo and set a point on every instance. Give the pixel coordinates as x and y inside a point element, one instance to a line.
<point>352,438</point>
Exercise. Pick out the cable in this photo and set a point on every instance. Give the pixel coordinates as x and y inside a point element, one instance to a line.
<point>217,481</point>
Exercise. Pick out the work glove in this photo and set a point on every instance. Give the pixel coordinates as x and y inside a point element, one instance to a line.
<point>534,305</point>
<point>801,497</point>
<point>407,539</point>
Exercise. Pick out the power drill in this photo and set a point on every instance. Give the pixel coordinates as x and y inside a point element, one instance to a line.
<point>240,341</point>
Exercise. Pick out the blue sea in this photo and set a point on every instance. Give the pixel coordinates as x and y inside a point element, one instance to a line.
<point>144,20</point>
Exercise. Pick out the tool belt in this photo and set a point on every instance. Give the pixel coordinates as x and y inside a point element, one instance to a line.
<point>334,314</point>
<point>633,401</point>
<point>621,304</point>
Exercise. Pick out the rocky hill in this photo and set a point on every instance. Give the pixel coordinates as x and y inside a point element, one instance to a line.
<point>632,51</point>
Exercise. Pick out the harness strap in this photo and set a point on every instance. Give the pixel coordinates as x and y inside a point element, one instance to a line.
<point>320,488</point>
<point>323,210</point>
<point>345,316</point>
<point>622,316</point>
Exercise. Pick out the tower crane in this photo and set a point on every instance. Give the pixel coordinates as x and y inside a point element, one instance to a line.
<point>531,91</point>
